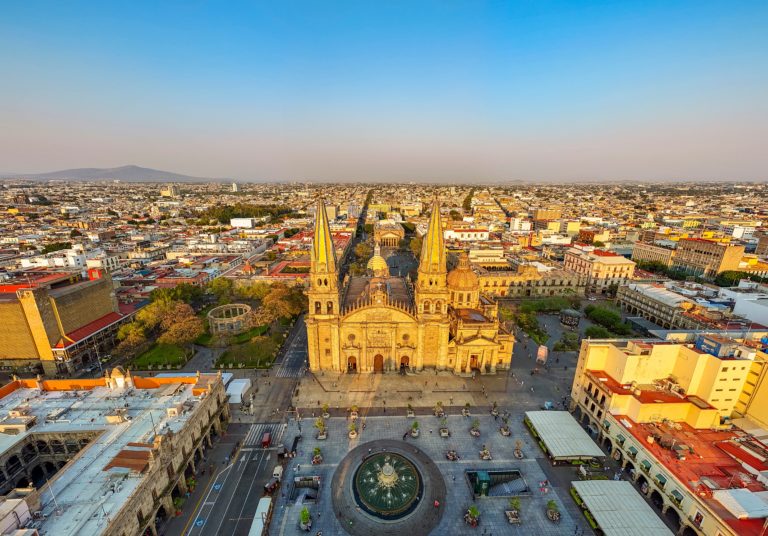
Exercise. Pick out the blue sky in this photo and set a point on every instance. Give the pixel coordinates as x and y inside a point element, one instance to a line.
<point>446,91</point>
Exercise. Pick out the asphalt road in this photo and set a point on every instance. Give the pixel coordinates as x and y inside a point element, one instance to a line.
<point>230,501</point>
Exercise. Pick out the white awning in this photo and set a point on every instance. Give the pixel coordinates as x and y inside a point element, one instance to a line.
<point>562,435</point>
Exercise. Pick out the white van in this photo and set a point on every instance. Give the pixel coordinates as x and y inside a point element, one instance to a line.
<point>277,472</point>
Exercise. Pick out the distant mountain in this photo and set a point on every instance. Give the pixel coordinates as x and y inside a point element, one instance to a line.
<point>123,173</point>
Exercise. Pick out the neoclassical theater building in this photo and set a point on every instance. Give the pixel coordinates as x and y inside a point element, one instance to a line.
<point>381,323</point>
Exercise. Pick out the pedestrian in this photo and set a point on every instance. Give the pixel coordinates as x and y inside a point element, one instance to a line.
<point>531,389</point>
<point>405,435</point>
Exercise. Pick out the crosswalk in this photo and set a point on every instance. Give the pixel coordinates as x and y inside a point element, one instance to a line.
<point>257,430</point>
<point>288,372</point>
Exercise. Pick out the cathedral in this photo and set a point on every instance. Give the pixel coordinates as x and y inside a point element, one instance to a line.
<point>378,323</point>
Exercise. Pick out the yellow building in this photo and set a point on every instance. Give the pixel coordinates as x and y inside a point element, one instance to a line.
<point>659,408</point>
<point>602,269</point>
<point>380,323</point>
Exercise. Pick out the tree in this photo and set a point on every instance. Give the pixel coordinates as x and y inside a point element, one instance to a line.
<point>598,244</point>
<point>467,204</point>
<point>131,336</point>
<point>183,331</point>
<point>184,292</point>
<point>455,215</point>
<point>222,288</point>
<point>363,251</point>
<point>597,332</point>
<point>284,302</point>
<point>253,291</point>
<point>56,246</point>
<point>75,233</point>
<point>153,314</point>
<point>416,246</point>
<point>177,313</point>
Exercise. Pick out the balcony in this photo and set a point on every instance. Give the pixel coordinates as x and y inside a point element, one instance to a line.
<point>620,439</point>
<point>660,480</point>
<point>645,466</point>
<point>632,452</point>
<point>676,497</point>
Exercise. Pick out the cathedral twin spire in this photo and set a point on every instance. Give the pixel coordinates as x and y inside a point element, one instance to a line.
<point>323,258</point>
<point>432,260</point>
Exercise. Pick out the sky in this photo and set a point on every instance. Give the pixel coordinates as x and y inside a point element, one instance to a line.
<point>447,91</point>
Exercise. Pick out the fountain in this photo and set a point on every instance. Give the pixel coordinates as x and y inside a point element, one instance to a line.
<point>387,486</point>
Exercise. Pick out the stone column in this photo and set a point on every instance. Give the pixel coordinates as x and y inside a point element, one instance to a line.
<point>183,484</point>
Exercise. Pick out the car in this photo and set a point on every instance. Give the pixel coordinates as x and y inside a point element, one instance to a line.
<point>271,486</point>
<point>592,298</point>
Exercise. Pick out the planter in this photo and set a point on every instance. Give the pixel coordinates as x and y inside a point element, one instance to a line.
<point>513,516</point>
<point>326,415</point>
<point>474,432</point>
<point>410,414</point>
<point>317,459</point>
<point>353,415</point>
<point>506,432</point>
<point>415,433</point>
<point>485,454</point>
<point>352,434</point>
<point>518,454</point>
<point>322,436</point>
<point>465,412</point>
<point>445,432</point>
<point>553,515</point>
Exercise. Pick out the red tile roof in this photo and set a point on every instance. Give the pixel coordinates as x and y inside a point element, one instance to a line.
<point>89,329</point>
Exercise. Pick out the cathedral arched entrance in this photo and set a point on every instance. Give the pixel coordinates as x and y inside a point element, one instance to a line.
<point>474,362</point>
<point>352,364</point>
<point>405,362</point>
<point>378,363</point>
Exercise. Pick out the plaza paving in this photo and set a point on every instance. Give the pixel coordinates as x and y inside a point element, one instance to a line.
<point>458,493</point>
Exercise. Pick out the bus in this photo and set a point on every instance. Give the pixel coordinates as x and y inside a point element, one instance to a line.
<point>261,518</point>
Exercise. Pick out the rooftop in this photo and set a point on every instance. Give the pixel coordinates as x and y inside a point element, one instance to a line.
<point>705,461</point>
<point>562,435</point>
<point>96,483</point>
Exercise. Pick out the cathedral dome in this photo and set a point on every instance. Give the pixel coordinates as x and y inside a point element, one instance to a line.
<point>377,264</point>
<point>462,277</point>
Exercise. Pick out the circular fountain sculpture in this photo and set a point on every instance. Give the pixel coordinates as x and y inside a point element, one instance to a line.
<point>387,485</point>
<point>387,488</point>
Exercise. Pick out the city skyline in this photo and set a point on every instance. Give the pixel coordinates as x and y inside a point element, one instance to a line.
<point>430,93</point>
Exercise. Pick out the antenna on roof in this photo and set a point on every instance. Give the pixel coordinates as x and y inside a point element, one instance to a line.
<point>57,510</point>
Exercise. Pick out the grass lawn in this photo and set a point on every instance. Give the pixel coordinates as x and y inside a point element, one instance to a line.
<point>160,354</point>
<point>204,339</point>
<point>250,334</point>
<point>255,354</point>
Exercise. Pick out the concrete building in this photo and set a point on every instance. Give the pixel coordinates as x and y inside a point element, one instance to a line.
<point>602,269</point>
<point>661,408</point>
<point>707,258</point>
<point>648,252</point>
<point>105,456</point>
<point>57,321</point>
<point>383,324</point>
<point>550,213</point>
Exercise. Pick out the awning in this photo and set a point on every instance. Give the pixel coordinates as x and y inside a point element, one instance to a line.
<point>661,479</point>
<point>632,450</point>
<point>606,424</point>
<point>677,495</point>
<point>620,438</point>
<point>646,464</point>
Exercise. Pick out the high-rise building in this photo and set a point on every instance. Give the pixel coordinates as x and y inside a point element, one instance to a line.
<point>57,321</point>
<point>381,323</point>
<point>698,256</point>
<point>235,187</point>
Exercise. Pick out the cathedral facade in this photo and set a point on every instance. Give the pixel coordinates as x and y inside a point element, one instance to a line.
<point>379,323</point>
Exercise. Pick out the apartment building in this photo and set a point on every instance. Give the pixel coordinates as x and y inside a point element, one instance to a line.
<point>601,269</point>
<point>698,256</point>
<point>663,409</point>
<point>527,280</point>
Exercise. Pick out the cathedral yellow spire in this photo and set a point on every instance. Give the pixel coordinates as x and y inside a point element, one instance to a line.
<point>432,259</point>
<point>323,258</point>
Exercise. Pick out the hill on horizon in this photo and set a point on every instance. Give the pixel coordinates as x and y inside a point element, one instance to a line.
<point>128,173</point>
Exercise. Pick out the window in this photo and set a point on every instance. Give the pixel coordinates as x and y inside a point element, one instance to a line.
<point>724,369</point>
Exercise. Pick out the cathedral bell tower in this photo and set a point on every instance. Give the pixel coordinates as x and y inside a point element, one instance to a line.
<point>323,317</point>
<point>432,295</point>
